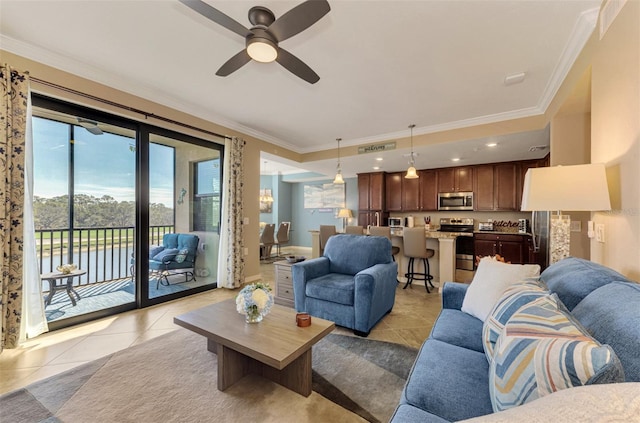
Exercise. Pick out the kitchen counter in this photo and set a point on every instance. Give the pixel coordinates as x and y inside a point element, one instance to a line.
<point>502,233</point>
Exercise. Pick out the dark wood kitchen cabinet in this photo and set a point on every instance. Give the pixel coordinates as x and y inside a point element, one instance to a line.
<point>428,190</point>
<point>411,193</point>
<point>455,179</point>
<point>514,248</point>
<point>483,192</point>
<point>371,198</point>
<point>393,198</point>
<point>496,187</point>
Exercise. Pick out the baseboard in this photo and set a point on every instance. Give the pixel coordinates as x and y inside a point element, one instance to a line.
<point>252,278</point>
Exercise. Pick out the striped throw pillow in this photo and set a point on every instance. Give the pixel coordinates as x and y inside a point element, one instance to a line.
<point>515,297</point>
<point>541,350</point>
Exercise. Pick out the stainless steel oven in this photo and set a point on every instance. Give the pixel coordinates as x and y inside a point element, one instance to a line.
<point>455,201</point>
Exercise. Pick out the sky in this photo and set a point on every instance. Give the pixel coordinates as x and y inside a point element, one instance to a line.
<point>105,164</point>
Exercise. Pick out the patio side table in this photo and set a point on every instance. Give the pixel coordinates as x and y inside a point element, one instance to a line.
<point>54,277</point>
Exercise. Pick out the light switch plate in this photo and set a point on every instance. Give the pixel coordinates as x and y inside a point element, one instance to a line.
<point>600,232</point>
<point>576,226</point>
<point>245,221</point>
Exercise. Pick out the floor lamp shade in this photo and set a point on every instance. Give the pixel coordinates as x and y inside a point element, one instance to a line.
<point>568,188</point>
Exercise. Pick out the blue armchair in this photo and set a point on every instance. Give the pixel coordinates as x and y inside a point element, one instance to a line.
<point>177,254</point>
<point>353,284</point>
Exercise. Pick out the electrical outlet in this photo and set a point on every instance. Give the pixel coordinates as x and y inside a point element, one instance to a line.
<point>600,232</point>
<point>245,221</point>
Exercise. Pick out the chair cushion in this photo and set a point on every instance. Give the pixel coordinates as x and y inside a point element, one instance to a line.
<point>332,287</point>
<point>168,253</point>
<point>449,381</point>
<point>350,254</point>
<point>458,328</point>
<point>491,279</point>
<point>611,314</point>
<point>409,413</point>
<point>154,250</point>
<point>574,278</point>
<point>541,350</point>
<point>512,299</point>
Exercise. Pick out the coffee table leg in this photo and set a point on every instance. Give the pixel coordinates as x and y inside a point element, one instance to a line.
<point>296,376</point>
<point>232,366</point>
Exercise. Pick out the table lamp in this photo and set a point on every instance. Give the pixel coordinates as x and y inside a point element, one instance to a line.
<point>572,188</point>
<point>345,214</point>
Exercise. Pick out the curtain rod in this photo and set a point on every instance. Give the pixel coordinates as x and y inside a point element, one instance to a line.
<point>122,106</point>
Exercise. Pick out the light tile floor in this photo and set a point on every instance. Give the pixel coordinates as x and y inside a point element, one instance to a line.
<point>49,354</point>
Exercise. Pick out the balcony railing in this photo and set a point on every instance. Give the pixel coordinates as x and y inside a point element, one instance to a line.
<point>104,253</point>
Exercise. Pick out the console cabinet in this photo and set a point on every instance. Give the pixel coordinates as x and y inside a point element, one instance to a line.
<point>284,284</point>
<point>513,247</point>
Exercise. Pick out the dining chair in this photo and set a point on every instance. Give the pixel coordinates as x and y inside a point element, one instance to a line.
<point>267,240</point>
<point>326,231</point>
<point>354,230</point>
<point>282,236</point>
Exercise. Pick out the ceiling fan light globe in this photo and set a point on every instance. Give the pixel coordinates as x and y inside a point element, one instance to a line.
<point>262,50</point>
<point>411,173</point>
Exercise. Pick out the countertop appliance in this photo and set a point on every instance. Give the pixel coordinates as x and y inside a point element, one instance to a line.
<point>464,244</point>
<point>396,222</point>
<point>455,201</point>
<point>485,226</point>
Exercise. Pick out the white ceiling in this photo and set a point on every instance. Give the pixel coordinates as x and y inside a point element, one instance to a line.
<point>382,64</point>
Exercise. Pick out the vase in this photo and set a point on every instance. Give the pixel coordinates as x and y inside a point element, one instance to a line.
<point>254,317</point>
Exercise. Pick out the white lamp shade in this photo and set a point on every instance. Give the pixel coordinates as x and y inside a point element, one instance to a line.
<point>338,179</point>
<point>411,173</point>
<point>570,188</point>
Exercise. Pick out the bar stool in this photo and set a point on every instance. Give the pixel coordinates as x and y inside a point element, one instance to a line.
<point>386,232</point>
<point>415,247</point>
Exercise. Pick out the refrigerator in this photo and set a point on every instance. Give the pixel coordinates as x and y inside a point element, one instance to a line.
<point>540,227</point>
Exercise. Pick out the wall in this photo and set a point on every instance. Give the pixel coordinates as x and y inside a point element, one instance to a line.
<point>303,220</point>
<point>615,139</point>
<point>571,145</point>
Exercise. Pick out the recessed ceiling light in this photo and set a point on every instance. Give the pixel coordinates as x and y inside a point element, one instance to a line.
<point>456,159</point>
<point>515,78</point>
<point>376,168</point>
<point>491,144</point>
<point>379,159</point>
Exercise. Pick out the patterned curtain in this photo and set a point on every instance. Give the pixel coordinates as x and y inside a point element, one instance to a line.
<point>14,95</point>
<point>230,256</point>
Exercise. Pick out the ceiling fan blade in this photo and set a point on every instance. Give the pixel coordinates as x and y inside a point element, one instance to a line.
<point>296,66</point>
<point>90,125</point>
<point>233,64</point>
<point>298,19</point>
<point>216,16</point>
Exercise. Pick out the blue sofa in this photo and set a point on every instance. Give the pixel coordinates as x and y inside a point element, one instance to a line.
<point>353,284</point>
<point>449,380</point>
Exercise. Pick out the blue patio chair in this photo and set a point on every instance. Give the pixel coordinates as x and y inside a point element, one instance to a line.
<point>176,255</point>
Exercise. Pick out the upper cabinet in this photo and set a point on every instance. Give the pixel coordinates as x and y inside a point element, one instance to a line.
<point>455,179</point>
<point>483,188</point>
<point>371,191</point>
<point>428,190</point>
<point>496,187</point>
<point>394,191</point>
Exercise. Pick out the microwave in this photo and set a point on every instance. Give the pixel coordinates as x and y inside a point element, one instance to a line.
<point>455,201</point>
<point>396,222</point>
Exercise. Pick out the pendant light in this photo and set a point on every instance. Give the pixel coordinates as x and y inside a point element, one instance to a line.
<point>264,196</point>
<point>411,172</point>
<point>338,179</point>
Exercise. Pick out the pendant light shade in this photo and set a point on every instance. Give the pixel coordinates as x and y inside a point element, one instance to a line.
<point>338,179</point>
<point>411,172</point>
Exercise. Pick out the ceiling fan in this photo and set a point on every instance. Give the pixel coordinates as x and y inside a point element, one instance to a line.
<point>90,125</point>
<point>265,34</point>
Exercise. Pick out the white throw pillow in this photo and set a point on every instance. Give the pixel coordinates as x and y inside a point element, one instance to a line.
<point>492,278</point>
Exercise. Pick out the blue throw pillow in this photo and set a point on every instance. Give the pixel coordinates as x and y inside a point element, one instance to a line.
<point>154,250</point>
<point>182,255</point>
<point>167,254</point>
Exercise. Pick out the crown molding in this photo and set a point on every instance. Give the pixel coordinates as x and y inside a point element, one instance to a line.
<point>84,70</point>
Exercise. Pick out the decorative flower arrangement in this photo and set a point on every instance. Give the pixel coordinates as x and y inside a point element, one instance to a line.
<point>65,269</point>
<point>254,301</point>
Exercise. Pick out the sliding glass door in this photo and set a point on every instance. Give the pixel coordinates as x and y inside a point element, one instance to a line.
<point>110,195</point>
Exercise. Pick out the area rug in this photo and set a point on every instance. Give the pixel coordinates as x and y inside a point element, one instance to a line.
<point>172,378</point>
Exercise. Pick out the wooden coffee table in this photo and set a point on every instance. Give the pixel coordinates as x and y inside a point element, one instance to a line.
<point>275,348</point>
